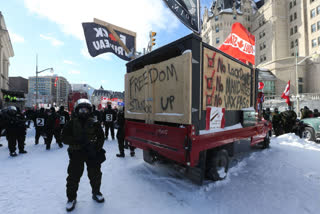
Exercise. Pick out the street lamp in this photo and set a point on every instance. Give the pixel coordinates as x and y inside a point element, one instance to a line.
<point>314,56</point>
<point>38,72</point>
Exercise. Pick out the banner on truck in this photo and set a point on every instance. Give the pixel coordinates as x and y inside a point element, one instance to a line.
<point>226,83</point>
<point>102,37</point>
<point>215,118</point>
<point>188,11</point>
<point>160,92</point>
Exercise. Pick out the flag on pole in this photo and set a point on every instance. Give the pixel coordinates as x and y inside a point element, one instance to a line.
<point>286,94</point>
<point>240,44</point>
<point>260,85</point>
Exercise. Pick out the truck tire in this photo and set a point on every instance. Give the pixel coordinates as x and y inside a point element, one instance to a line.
<point>308,134</point>
<point>266,142</point>
<point>218,165</point>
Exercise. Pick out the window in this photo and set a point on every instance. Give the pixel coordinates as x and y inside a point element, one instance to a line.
<point>300,88</point>
<point>217,40</point>
<point>294,2</point>
<point>234,17</point>
<point>291,18</point>
<point>249,29</point>
<point>292,54</point>
<point>313,28</point>
<point>318,10</point>
<point>313,13</point>
<point>290,5</point>
<point>264,45</point>
<point>295,29</point>
<point>300,80</point>
<point>216,18</point>
<point>249,18</point>
<point>311,1</point>
<point>295,15</point>
<point>291,31</point>
<point>296,42</point>
<point>217,28</point>
<point>292,44</point>
<point>318,25</point>
<point>314,43</point>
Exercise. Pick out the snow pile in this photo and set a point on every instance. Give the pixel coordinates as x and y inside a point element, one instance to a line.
<point>282,179</point>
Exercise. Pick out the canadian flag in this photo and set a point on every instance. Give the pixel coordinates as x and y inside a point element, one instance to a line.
<point>286,94</point>
<point>240,44</point>
<point>260,85</point>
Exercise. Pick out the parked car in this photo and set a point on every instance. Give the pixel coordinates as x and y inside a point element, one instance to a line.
<point>312,128</point>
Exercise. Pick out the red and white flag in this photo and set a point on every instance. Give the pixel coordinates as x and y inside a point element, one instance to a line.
<point>240,44</point>
<point>260,85</point>
<point>286,94</point>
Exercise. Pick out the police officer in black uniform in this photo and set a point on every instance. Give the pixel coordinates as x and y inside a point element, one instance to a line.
<point>40,123</point>
<point>109,116</point>
<point>121,135</point>
<point>277,122</point>
<point>53,128</point>
<point>85,138</point>
<point>64,118</point>
<point>15,130</point>
<point>96,114</point>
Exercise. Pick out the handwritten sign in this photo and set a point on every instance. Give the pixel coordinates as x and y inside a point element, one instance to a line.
<point>226,83</point>
<point>160,92</point>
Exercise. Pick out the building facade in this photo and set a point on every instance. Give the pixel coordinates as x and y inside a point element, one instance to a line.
<point>18,84</point>
<point>6,52</point>
<point>287,36</point>
<point>98,93</point>
<point>83,88</point>
<point>52,90</point>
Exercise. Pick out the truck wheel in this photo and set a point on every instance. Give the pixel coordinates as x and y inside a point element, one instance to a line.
<point>308,134</point>
<point>266,142</point>
<point>218,165</point>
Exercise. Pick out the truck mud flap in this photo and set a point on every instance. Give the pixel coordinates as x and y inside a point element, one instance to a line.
<point>197,174</point>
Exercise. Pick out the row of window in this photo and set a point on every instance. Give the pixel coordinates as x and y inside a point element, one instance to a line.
<point>293,17</point>
<point>263,58</point>
<point>263,46</point>
<point>314,42</point>
<point>315,27</point>
<point>292,4</point>
<point>295,43</point>
<point>313,12</point>
<point>293,30</point>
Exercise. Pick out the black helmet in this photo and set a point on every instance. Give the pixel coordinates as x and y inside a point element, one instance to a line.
<point>80,108</point>
<point>276,110</point>
<point>61,108</point>
<point>52,109</point>
<point>12,110</point>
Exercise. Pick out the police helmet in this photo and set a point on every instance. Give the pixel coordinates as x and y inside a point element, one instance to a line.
<point>276,110</point>
<point>82,104</point>
<point>12,110</point>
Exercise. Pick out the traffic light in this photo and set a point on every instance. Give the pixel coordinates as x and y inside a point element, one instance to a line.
<point>152,40</point>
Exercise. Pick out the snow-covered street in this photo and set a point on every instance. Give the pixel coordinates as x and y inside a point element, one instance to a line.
<point>282,179</point>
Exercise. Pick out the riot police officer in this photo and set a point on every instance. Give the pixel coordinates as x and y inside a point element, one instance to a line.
<point>15,130</point>
<point>121,135</point>
<point>85,138</point>
<point>40,123</point>
<point>109,116</point>
<point>53,128</point>
<point>277,122</point>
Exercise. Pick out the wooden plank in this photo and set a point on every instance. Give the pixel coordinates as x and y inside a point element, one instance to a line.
<point>161,92</point>
<point>226,83</point>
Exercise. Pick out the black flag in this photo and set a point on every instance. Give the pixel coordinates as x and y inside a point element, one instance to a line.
<point>100,40</point>
<point>188,11</point>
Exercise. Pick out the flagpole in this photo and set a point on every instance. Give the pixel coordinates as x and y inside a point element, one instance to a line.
<point>297,83</point>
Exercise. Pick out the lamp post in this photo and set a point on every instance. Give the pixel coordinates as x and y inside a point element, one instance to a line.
<point>38,72</point>
<point>314,56</point>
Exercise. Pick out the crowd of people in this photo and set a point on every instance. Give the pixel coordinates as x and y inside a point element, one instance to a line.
<point>82,132</point>
<point>286,121</point>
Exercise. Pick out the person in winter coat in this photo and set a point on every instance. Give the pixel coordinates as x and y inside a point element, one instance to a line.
<point>15,125</point>
<point>306,113</point>
<point>96,114</point>
<point>40,123</point>
<point>109,116</point>
<point>64,118</point>
<point>289,118</point>
<point>121,135</point>
<point>277,122</point>
<point>85,138</point>
<point>53,128</point>
<point>316,113</point>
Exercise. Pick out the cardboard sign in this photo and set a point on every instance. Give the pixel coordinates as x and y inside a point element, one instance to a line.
<point>226,83</point>
<point>160,92</point>
<point>215,118</point>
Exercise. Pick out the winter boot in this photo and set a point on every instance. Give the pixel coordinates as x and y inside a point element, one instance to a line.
<point>22,151</point>
<point>98,197</point>
<point>71,204</point>
<point>13,154</point>
<point>121,155</point>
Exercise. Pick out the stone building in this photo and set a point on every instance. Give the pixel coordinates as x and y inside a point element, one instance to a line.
<point>6,51</point>
<point>287,36</point>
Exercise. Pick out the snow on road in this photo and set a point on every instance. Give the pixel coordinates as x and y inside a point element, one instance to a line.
<point>282,179</point>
